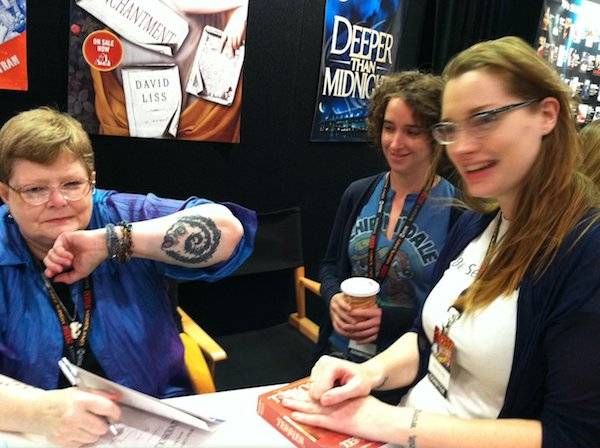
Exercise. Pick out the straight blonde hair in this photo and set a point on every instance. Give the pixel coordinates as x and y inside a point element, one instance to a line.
<point>555,199</point>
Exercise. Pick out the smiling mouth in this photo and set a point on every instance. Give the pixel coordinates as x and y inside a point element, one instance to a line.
<point>63,218</point>
<point>475,168</point>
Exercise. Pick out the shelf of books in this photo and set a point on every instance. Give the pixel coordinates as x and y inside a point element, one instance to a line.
<point>569,38</point>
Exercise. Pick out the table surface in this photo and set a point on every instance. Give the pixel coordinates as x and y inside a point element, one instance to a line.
<point>243,426</point>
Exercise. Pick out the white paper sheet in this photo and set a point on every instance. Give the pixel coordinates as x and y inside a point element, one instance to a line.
<point>142,402</point>
<point>141,429</point>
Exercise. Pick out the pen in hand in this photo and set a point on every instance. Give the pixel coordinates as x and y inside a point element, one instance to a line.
<point>72,378</point>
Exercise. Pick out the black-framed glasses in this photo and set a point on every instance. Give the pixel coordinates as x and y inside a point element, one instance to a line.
<point>72,190</point>
<point>478,124</point>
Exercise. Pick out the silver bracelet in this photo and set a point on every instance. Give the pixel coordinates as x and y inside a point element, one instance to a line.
<point>412,439</point>
<point>112,241</point>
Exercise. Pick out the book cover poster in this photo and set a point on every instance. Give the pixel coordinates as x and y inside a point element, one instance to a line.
<point>13,45</point>
<point>167,69</point>
<point>360,42</point>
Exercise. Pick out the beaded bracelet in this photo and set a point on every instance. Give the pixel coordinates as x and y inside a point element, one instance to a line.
<point>120,248</point>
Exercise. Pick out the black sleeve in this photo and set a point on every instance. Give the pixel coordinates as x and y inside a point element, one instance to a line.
<point>329,271</point>
<point>395,321</point>
<point>570,414</point>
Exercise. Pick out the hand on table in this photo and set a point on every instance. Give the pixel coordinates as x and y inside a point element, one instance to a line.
<point>356,416</point>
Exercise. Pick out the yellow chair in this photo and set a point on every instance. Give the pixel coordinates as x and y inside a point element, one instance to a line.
<point>201,353</point>
<point>299,319</point>
<point>278,247</point>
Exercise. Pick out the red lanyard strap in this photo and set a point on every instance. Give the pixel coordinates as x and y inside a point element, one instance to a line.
<point>75,337</point>
<point>400,236</point>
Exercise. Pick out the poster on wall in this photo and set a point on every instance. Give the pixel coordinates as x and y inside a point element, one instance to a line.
<point>569,38</point>
<point>169,69</point>
<point>360,43</point>
<point>13,45</point>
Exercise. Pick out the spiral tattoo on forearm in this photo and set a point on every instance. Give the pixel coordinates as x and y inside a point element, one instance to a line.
<point>192,239</point>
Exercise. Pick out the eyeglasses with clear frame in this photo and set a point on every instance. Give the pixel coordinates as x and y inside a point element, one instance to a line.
<point>71,191</point>
<point>478,124</point>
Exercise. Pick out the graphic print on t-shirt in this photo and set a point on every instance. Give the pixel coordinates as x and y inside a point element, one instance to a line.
<point>409,272</point>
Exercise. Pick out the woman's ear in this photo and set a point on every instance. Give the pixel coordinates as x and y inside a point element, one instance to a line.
<point>550,109</point>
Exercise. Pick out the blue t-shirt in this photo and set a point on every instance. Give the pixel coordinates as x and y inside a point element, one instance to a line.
<point>409,279</point>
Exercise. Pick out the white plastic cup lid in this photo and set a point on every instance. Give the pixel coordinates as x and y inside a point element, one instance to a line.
<point>360,287</point>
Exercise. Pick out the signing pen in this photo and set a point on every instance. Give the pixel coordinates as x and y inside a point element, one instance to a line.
<point>72,378</point>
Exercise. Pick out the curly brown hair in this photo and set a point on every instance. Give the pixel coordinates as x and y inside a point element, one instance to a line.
<point>421,91</point>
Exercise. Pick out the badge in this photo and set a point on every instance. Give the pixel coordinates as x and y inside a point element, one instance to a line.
<point>363,350</point>
<point>440,361</point>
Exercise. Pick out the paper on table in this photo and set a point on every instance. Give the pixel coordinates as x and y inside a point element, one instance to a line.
<point>142,402</point>
<point>141,429</point>
<point>137,429</point>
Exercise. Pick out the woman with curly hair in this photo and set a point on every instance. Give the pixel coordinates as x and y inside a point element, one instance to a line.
<point>399,211</point>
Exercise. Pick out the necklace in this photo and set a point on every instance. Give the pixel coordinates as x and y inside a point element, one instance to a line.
<point>484,264</point>
<point>74,324</point>
<point>74,332</point>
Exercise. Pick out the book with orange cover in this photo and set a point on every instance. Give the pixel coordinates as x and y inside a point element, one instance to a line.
<point>301,435</point>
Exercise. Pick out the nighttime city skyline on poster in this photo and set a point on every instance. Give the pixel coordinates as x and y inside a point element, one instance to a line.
<point>360,42</point>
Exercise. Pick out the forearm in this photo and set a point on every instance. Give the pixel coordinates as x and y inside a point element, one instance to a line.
<point>396,366</point>
<point>195,237</point>
<point>19,409</point>
<point>428,430</point>
<point>330,282</point>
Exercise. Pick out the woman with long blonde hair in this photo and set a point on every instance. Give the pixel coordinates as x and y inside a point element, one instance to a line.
<point>504,353</point>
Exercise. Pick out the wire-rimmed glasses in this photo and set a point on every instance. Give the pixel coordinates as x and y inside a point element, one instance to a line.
<point>478,124</point>
<point>72,190</point>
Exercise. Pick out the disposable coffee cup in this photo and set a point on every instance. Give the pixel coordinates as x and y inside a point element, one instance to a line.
<point>360,292</point>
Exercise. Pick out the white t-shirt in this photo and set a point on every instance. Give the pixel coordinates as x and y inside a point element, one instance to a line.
<point>484,341</point>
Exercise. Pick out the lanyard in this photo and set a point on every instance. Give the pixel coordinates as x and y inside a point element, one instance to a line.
<point>401,235</point>
<point>484,264</point>
<point>75,334</point>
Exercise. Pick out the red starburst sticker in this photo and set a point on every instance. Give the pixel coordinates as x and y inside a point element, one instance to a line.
<point>103,50</point>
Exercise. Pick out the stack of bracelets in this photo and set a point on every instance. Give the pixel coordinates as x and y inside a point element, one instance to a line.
<point>119,248</point>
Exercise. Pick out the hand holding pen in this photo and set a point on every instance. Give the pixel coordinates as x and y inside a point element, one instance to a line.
<point>74,417</point>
